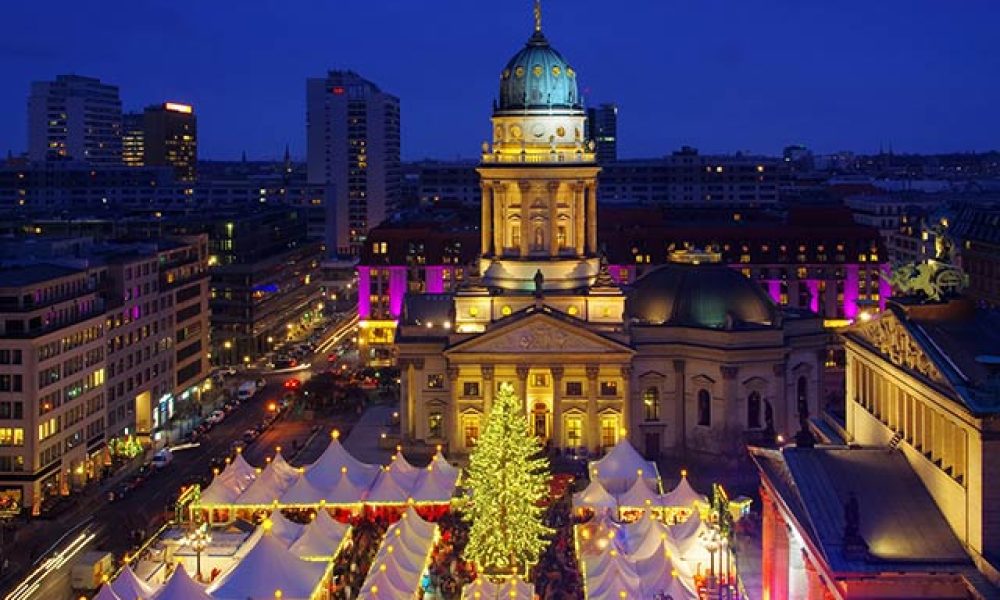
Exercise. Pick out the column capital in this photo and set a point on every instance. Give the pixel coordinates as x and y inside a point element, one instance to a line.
<point>593,371</point>
<point>452,373</point>
<point>729,371</point>
<point>522,372</point>
<point>552,186</point>
<point>524,185</point>
<point>487,372</point>
<point>417,363</point>
<point>557,373</point>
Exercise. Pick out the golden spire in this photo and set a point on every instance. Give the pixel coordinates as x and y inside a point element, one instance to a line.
<point>538,15</point>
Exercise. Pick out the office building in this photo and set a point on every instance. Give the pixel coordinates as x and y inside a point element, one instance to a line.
<point>353,149</point>
<point>52,382</point>
<point>602,127</point>
<point>75,118</point>
<point>171,139</point>
<point>133,140</point>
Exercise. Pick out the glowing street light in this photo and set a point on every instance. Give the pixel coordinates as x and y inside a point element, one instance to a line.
<point>198,540</point>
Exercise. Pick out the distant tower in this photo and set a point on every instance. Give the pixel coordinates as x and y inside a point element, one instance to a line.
<point>602,127</point>
<point>171,138</point>
<point>539,178</point>
<point>353,149</point>
<point>77,118</point>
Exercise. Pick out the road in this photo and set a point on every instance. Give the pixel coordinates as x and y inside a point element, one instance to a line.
<point>109,526</point>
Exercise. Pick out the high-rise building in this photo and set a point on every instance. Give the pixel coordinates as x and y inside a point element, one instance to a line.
<point>164,135</point>
<point>602,127</point>
<point>133,140</point>
<point>171,138</point>
<point>77,118</point>
<point>353,146</point>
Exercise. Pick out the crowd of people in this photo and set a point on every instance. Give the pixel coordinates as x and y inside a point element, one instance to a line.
<point>557,575</point>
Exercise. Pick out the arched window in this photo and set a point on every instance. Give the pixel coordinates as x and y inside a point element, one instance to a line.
<point>704,408</point>
<point>802,397</point>
<point>753,410</point>
<point>539,237</point>
<point>651,403</point>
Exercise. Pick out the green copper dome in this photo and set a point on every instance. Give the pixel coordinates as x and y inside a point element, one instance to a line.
<point>538,77</point>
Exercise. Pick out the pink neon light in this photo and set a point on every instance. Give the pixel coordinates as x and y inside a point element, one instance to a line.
<point>397,290</point>
<point>435,280</point>
<point>813,286</point>
<point>364,293</point>
<point>851,292</point>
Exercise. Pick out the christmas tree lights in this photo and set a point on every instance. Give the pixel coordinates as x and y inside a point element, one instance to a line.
<point>508,479</point>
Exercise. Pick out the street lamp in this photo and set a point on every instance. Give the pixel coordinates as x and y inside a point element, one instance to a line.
<point>712,545</point>
<point>197,539</point>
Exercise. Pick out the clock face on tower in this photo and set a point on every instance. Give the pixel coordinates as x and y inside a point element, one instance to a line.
<point>515,132</point>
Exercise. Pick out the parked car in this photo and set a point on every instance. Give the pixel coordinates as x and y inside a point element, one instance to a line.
<point>216,417</point>
<point>162,458</point>
<point>292,384</point>
<point>261,383</point>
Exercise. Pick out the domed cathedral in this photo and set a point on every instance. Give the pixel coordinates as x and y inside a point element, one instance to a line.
<point>692,357</point>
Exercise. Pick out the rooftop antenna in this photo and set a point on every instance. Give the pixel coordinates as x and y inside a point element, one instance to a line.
<point>538,16</point>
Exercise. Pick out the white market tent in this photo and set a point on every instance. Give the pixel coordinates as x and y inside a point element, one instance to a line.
<point>594,497</point>
<point>683,495</point>
<point>644,537</point>
<point>639,496</point>
<point>128,586</point>
<point>659,574</point>
<point>689,537</point>
<point>401,558</point>
<point>321,539</point>
<point>610,576</point>
<point>621,466</point>
<point>267,567</point>
<point>283,529</point>
<point>511,589</point>
<point>436,483</point>
<point>269,486</point>
<point>106,593</point>
<point>597,534</point>
<point>325,474</point>
<point>230,483</point>
<point>180,586</point>
<point>400,481</point>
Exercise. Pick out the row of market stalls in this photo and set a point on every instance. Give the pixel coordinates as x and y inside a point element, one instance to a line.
<point>336,480</point>
<point>280,558</point>
<point>401,559</point>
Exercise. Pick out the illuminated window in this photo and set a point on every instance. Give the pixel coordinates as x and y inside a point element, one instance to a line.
<point>470,388</point>
<point>435,424</point>
<point>704,408</point>
<point>515,235</point>
<point>506,310</point>
<point>11,436</point>
<point>651,403</point>
<point>435,381</point>
<point>574,388</point>
<point>561,236</point>
<point>609,388</point>
<point>470,429</point>
<point>540,380</point>
<point>609,430</point>
<point>574,430</point>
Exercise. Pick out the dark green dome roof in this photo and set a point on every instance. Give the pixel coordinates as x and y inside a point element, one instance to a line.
<point>538,77</point>
<point>710,296</point>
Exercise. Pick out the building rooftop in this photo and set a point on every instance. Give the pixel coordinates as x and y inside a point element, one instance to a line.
<point>25,275</point>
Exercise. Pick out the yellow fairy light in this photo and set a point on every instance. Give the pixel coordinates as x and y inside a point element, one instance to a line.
<point>335,434</point>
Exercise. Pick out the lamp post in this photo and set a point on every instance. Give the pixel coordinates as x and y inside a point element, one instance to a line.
<point>197,539</point>
<point>712,545</point>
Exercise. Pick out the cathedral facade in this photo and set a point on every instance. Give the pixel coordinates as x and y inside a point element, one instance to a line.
<point>691,357</point>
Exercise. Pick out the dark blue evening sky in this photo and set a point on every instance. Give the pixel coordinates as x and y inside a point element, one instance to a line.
<point>721,75</point>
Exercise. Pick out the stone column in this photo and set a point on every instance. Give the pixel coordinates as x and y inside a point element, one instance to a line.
<point>579,219</point>
<point>557,377</point>
<point>410,369</point>
<point>487,219</point>
<point>815,587</point>
<point>453,418</point>
<point>732,414</point>
<point>486,373</point>
<point>522,386</point>
<point>553,189</point>
<point>527,235</point>
<point>779,402</point>
<point>680,407</point>
<point>626,373</point>
<point>499,217</point>
<point>593,425</point>
<point>591,218</point>
<point>798,584</point>
<point>769,520</point>
<point>779,572</point>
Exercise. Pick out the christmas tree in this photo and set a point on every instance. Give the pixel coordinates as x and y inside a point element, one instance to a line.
<point>507,478</point>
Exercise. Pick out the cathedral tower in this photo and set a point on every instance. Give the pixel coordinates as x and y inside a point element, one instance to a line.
<point>539,178</point>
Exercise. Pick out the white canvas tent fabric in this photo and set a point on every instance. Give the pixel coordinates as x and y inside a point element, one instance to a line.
<point>400,482</point>
<point>640,495</point>
<point>270,485</point>
<point>436,483</point>
<point>388,489</point>
<point>321,538</point>
<point>597,534</point>
<point>689,538</point>
<point>106,593</point>
<point>511,589</point>
<point>229,484</point>
<point>180,586</point>
<point>336,461</point>
<point>619,468</point>
<point>401,558</point>
<point>644,536</point>
<point>683,495</point>
<point>269,566</point>
<point>283,529</point>
<point>128,586</point>
<point>659,574</point>
<point>595,498</point>
<point>609,574</point>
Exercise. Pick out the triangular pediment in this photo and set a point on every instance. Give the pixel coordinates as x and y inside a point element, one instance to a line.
<point>539,333</point>
<point>888,336</point>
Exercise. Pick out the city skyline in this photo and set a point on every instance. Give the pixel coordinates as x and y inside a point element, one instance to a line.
<point>759,79</point>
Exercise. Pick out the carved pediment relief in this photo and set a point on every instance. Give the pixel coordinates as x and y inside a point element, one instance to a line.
<point>703,380</point>
<point>891,339</point>
<point>539,335</point>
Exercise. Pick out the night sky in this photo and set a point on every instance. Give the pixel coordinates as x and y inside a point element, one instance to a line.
<point>720,75</point>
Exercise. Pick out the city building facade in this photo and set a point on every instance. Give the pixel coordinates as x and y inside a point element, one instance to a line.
<point>602,127</point>
<point>76,118</point>
<point>353,147</point>
<point>170,139</point>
